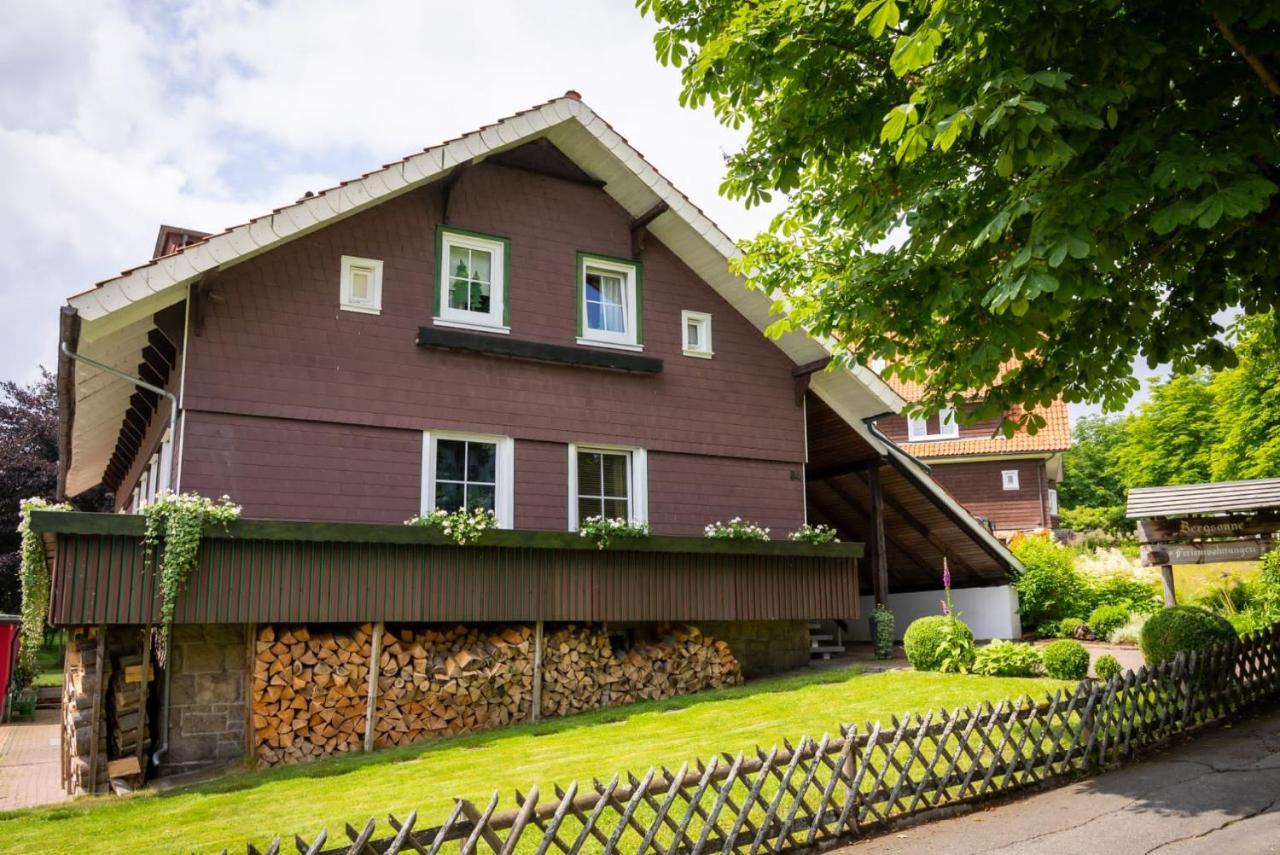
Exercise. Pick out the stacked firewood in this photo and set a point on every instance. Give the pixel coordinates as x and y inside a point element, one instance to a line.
<point>310,689</point>
<point>582,671</point>
<point>126,721</point>
<point>78,693</point>
<point>442,683</point>
<point>309,692</point>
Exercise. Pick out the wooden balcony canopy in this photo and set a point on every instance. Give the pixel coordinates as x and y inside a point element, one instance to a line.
<point>264,571</point>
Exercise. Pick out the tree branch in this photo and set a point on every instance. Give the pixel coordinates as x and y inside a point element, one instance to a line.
<point>1264,74</point>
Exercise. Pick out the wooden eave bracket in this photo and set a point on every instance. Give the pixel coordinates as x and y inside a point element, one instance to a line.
<point>639,227</point>
<point>802,373</point>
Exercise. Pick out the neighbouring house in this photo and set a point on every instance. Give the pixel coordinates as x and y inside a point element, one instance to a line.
<point>528,318</point>
<point>1010,483</point>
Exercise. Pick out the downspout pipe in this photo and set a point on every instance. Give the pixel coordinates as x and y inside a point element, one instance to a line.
<point>163,747</point>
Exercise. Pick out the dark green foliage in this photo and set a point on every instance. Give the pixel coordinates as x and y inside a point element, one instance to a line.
<point>1106,666</point>
<point>1109,520</point>
<point>1124,590</point>
<point>1089,477</point>
<point>1106,619</point>
<point>939,643</point>
<point>1247,400</point>
<point>882,631</point>
<point>1066,660</point>
<point>1007,659</point>
<point>1179,628</point>
<point>1082,182</point>
<point>1049,588</point>
<point>1066,628</point>
<point>1170,439</point>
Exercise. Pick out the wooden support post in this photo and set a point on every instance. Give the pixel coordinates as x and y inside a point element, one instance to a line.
<point>1166,576</point>
<point>879,558</point>
<point>535,712</point>
<point>142,698</point>
<point>99,691</point>
<point>250,662</point>
<point>371,713</point>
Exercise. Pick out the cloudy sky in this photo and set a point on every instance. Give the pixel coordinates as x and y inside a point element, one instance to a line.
<point>118,116</point>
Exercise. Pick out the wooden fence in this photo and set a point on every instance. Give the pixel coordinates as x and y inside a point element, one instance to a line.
<point>822,791</point>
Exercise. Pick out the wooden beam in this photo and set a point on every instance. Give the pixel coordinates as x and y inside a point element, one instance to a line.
<point>856,505</point>
<point>69,334</point>
<point>535,711</point>
<point>537,351</point>
<point>450,182</point>
<point>949,513</point>
<point>639,226</point>
<point>827,473</point>
<point>371,712</point>
<point>801,374</point>
<point>142,696</point>
<point>879,561</point>
<point>99,690</point>
<point>923,530</point>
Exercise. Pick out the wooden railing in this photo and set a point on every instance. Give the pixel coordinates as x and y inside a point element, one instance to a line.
<point>832,789</point>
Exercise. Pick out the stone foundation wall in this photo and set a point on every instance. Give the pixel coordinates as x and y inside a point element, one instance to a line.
<point>207,698</point>
<point>764,647</point>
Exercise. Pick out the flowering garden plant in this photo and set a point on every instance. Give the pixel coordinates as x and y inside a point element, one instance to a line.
<point>814,534</point>
<point>604,529</point>
<point>174,525</point>
<point>736,529</point>
<point>460,526</point>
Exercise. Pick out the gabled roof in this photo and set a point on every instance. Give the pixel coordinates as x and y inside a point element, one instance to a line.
<point>1222,497</point>
<point>1054,437</point>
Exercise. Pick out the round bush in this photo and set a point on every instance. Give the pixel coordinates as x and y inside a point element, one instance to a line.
<point>1066,660</point>
<point>1107,618</point>
<point>1182,628</point>
<point>1106,667</point>
<point>1067,627</point>
<point>929,643</point>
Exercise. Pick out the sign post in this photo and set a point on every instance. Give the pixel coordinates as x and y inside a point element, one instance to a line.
<point>1203,540</point>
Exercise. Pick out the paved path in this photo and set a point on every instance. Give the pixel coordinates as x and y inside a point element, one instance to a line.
<point>29,770</point>
<point>1216,792</point>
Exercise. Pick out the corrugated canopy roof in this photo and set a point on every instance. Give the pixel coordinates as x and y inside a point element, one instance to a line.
<point>1222,497</point>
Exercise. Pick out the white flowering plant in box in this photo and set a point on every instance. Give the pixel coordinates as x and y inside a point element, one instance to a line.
<point>605,529</point>
<point>736,529</point>
<point>814,534</point>
<point>460,526</point>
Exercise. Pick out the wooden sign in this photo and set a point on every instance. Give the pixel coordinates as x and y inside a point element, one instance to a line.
<point>1204,553</point>
<point>1199,528</point>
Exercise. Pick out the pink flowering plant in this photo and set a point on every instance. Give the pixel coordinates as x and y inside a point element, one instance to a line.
<point>956,651</point>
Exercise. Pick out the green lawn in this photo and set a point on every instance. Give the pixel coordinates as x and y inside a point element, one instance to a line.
<point>258,805</point>
<point>49,659</point>
<point>1190,580</point>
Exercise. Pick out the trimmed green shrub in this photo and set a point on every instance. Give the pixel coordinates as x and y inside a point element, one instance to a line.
<point>1171,630</point>
<point>939,643</point>
<point>1007,659</point>
<point>1049,588</point>
<point>1066,660</point>
<point>1067,627</point>
<point>1121,589</point>
<point>1106,619</point>
<point>1106,667</point>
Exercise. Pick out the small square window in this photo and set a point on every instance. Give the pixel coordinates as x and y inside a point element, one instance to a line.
<point>361,285</point>
<point>697,334</point>
<point>608,302</point>
<point>471,281</point>
<point>1010,479</point>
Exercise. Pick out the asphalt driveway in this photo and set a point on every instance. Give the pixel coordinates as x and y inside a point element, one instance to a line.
<point>1217,791</point>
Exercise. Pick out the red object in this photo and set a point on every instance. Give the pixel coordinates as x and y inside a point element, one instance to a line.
<point>9,628</point>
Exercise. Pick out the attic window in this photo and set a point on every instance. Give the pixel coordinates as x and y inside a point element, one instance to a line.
<point>609,302</point>
<point>471,284</point>
<point>696,334</point>
<point>941,426</point>
<point>1009,479</point>
<point>361,285</point>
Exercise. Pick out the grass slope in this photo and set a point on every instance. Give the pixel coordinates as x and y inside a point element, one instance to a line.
<point>259,805</point>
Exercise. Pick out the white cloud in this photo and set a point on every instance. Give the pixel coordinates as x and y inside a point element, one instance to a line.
<point>117,117</point>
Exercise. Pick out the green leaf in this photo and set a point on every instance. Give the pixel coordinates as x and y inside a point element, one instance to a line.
<point>895,122</point>
<point>883,14</point>
<point>1113,116</point>
<point>1004,166</point>
<point>948,130</point>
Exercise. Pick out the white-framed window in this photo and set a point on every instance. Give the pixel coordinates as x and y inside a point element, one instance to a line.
<point>468,470</point>
<point>608,481</point>
<point>360,287</point>
<point>1009,479</point>
<point>696,334</point>
<point>1053,502</point>
<point>471,280</point>
<point>144,496</point>
<point>609,302</point>
<point>940,426</point>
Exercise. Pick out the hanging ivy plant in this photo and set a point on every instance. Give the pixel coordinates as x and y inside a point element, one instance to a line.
<point>175,523</point>
<point>35,585</point>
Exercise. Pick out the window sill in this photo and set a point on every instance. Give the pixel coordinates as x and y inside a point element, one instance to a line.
<point>469,325</point>
<point>363,310</point>
<point>609,359</point>
<point>700,354</point>
<point>612,345</point>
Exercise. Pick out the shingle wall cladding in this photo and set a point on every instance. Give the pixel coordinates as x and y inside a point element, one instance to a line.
<point>978,486</point>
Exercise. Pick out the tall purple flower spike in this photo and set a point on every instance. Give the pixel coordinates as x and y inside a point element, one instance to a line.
<point>946,575</point>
